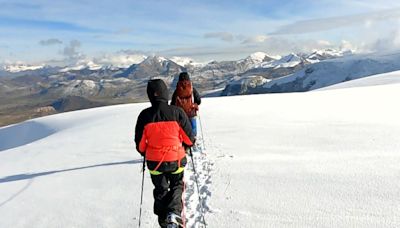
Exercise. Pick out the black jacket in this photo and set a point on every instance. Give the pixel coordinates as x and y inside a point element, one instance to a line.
<point>160,111</point>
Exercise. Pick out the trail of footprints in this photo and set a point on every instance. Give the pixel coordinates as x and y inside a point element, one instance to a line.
<point>195,210</point>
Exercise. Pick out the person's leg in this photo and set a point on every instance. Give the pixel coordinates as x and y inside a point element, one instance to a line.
<point>161,197</point>
<point>194,125</point>
<point>176,185</point>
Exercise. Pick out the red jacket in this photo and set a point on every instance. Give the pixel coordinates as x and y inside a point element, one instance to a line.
<point>162,141</point>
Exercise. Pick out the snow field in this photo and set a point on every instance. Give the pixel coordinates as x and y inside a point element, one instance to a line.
<point>318,159</point>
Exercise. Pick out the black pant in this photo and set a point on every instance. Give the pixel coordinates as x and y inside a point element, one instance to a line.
<point>168,189</point>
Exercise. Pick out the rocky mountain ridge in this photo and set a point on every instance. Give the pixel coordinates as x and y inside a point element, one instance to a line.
<point>34,87</point>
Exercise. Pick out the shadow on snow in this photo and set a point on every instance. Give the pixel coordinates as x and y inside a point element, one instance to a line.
<point>26,176</point>
<point>22,134</point>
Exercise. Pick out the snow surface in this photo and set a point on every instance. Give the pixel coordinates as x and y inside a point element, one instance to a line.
<point>316,159</point>
<point>379,79</point>
<point>213,92</point>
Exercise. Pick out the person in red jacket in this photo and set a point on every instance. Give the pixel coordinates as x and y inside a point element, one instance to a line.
<point>187,97</point>
<point>161,133</point>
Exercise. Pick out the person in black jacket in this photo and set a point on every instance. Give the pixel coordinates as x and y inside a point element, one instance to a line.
<point>187,97</point>
<point>161,133</point>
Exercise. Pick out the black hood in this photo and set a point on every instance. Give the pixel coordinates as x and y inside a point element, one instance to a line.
<point>157,91</point>
<point>184,76</point>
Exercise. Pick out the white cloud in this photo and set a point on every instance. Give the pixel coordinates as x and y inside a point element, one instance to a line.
<point>255,39</point>
<point>224,36</point>
<point>71,50</point>
<point>272,46</point>
<point>49,42</point>
<point>324,43</point>
<point>368,23</point>
<point>120,59</point>
<point>390,43</point>
<point>347,45</point>
<point>133,52</point>
<point>323,24</point>
<point>124,31</point>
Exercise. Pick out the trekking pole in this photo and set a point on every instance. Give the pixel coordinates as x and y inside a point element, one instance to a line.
<point>202,135</point>
<point>141,194</point>
<point>198,189</point>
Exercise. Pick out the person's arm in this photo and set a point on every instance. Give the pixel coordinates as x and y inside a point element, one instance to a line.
<point>196,97</point>
<point>173,99</point>
<point>186,128</point>
<point>139,128</point>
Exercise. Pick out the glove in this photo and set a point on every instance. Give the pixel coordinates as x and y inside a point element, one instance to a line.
<point>187,149</point>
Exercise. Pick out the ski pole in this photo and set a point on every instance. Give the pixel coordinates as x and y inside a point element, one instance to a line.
<point>202,135</point>
<point>141,194</point>
<point>198,189</point>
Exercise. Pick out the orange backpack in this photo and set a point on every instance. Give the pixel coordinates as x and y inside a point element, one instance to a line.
<point>184,97</point>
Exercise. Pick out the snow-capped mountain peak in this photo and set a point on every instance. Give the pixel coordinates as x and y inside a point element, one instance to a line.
<point>254,60</point>
<point>320,55</point>
<point>258,56</point>
<point>290,60</point>
<point>154,58</point>
<point>333,71</point>
<point>186,61</point>
<point>82,64</point>
<point>182,61</point>
<point>19,67</point>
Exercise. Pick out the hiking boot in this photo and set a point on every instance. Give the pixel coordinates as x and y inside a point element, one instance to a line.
<point>174,219</point>
<point>172,225</point>
<point>162,221</point>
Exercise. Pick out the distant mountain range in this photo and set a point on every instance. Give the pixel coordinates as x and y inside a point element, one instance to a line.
<point>25,88</point>
<point>325,73</point>
<point>270,69</point>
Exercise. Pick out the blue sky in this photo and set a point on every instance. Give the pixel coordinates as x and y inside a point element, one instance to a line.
<point>44,30</point>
